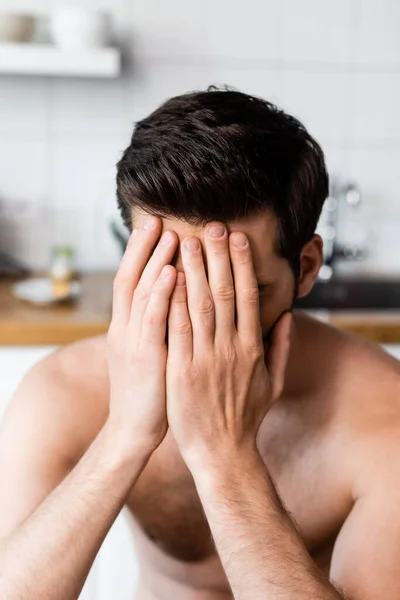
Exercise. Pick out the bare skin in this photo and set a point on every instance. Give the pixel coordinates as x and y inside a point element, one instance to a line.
<point>330,446</point>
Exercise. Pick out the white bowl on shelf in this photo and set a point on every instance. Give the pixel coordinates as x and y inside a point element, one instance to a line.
<point>16,28</point>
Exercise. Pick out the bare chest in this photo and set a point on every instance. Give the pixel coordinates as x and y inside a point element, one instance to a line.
<point>166,506</point>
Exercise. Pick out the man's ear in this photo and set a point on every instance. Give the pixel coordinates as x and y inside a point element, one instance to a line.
<point>311,260</point>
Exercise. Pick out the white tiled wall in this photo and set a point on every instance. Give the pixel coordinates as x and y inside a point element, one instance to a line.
<point>334,63</point>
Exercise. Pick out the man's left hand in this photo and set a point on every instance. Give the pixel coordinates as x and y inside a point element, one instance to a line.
<point>219,387</point>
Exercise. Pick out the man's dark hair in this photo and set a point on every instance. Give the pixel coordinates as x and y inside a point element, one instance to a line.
<point>222,155</point>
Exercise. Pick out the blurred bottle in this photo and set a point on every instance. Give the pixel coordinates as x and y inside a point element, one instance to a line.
<point>62,271</point>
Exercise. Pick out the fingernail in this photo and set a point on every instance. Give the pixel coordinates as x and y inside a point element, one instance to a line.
<point>216,230</point>
<point>239,240</point>
<point>166,238</point>
<point>192,244</point>
<point>165,274</point>
<point>149,223</point>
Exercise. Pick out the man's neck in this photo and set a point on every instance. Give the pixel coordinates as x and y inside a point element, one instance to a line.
<point>305,359</point>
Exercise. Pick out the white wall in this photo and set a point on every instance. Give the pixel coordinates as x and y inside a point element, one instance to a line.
<point>333,63</point>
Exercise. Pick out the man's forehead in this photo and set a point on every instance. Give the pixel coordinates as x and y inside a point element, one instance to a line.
<point>260,230</point>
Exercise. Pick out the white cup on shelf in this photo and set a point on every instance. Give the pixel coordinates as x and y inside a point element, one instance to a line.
<point>72,27</point>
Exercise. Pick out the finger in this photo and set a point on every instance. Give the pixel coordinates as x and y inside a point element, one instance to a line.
<point>278,353</point>
<point>246,289</point>
<point>180,337</point>
<point>201,306</point>
<point>154,325</point>
<point>139,248</point>
<point>220,278</point>
<point>162,255</point>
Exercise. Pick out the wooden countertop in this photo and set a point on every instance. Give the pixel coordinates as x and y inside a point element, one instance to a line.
<point>24,324</point>
<point>382,327</point>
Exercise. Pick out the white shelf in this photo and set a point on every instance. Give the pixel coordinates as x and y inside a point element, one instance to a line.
<point>41,59</point>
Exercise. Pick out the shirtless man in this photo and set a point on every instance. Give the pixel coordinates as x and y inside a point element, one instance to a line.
<point>87,431</point>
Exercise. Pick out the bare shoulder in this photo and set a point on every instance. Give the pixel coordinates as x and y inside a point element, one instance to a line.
<point>365,375</point>
<point>67,392</point>
<point>354,361</point>
<point>364,389</point>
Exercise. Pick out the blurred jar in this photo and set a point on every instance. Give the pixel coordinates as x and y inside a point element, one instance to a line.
<point>62,271</point>
<point>73,27</point>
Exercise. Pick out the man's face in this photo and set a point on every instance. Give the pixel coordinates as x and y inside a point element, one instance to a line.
<point>274,275</point>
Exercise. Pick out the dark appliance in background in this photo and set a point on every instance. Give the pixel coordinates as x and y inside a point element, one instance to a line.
<point>12,268</point>
<point>358,293</point>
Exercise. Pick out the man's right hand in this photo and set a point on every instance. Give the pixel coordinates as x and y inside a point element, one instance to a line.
<point>60,515</point>
<point>137,352</point>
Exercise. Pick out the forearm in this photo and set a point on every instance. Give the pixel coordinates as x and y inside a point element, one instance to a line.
<point>259,547</point>
<point>49,556</point>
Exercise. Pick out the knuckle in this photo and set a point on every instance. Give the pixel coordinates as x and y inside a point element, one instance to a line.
<point>224,292</point>
<point>140,294</point>
<point>178,299</point>
<point>203,306</point>
<point>190,372</point>
<point>182,328</point>
<point>139,359</point>
<point>255,351</point>
<point>230,355</point>
<point>251,295</point>
<point>116,346</point>
<point>151,318</point>
<point>120,282</point>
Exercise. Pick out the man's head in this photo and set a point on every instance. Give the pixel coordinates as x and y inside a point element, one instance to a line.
<point>223,155</point>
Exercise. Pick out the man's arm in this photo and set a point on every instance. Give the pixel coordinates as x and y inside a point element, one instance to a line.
<point>365,560</point>
<point>47,552</point>
<point>264,556</point>
<point>260,549</point>
<point>48,556</point>
<point>220,386</point>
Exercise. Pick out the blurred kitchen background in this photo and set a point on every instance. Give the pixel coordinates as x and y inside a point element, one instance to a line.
<point>74,80</point>
<point>335,64</point>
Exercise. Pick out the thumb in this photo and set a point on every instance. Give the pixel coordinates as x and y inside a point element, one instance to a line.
<point>277,354</point>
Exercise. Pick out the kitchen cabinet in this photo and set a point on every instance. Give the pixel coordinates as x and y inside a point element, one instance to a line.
<point>114,573</point>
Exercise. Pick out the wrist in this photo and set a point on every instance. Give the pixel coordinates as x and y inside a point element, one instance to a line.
<point>227,462</point>
<point>125,450</point>
<point>239,473</point>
